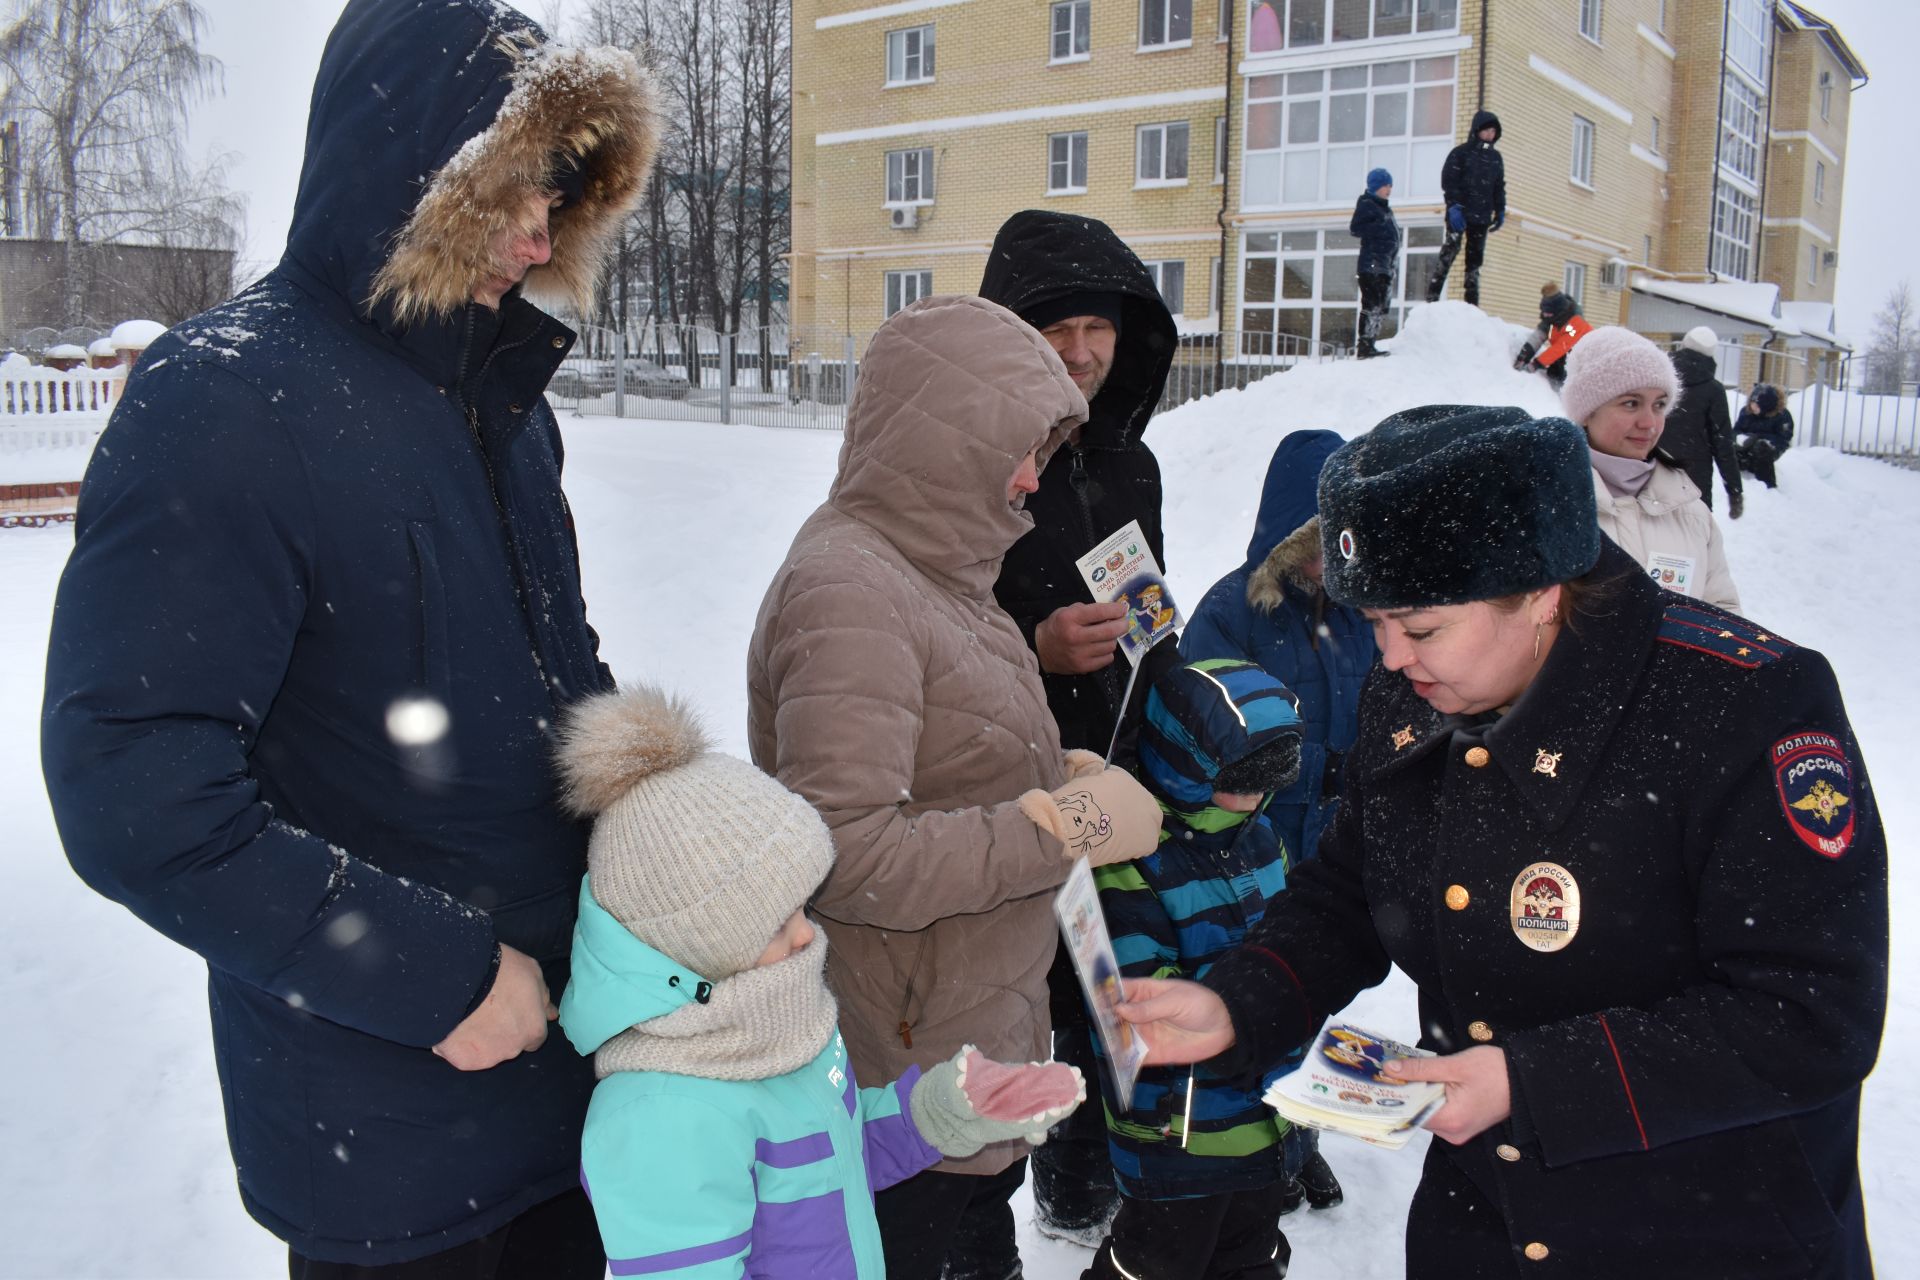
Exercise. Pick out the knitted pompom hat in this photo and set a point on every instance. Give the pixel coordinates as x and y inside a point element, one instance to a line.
<point>700,855</point>
<point>1448,504</point>
<point>1701,339</point>
<point>1610,362</point>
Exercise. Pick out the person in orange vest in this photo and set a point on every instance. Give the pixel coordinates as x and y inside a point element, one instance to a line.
<point>1561,325</point>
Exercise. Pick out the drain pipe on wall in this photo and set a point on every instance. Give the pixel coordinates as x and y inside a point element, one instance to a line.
<point>1226,185</point>
<point>1486,11</point>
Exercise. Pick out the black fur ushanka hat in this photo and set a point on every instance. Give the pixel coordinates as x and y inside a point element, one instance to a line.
<point>1447,504</point>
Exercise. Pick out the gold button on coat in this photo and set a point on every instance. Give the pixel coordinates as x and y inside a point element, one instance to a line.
<point>1507,1152</point>
<point>1536,1252</point>
<point>1480,1031</point>
<point>1458,897</point>
<point>1478,757</point>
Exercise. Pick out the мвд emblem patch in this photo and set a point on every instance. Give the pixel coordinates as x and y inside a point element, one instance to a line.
<point>1543,908</point>
<point>1815,782</point>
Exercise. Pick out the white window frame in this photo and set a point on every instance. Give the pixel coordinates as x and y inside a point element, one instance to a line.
<point>1646,251</point>
<point>1580,166</point>
<point>909,169</point>
<point>1653,138</point>
<point>1819,182</point>
<point>1730,240</point>
<point>1663,16</point>
<point>1573,281</point>
<point>1813,264</point>
<point>1074,146</point>
<point>1826,95</point>
<point>1421,241</point>
<point>1173,15</point>
<point>917,281</point>
<point>1590,19</point>
<point>1215,277</point>
<point>1308,24</point>
<point>1223,21</point>
<point>1219,150</point>
<point>1163,131</point>
<point>1741,113</point>
<point>910,54</point>
<point>1159,269</point>
<point>1749,24</point>
<point>1079,18</point>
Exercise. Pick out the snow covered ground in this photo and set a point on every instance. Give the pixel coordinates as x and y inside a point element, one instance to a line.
<point>115,1163</point>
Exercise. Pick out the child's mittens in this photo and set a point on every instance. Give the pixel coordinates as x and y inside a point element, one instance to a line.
<point>1082,763</point>
<point>1106,817</point>
<point>970,1100</point>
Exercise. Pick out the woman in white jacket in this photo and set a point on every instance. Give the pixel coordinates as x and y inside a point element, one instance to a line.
<point>1619,388</point>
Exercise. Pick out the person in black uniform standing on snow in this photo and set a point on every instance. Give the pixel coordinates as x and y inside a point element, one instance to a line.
<point>1474,182</point>
<point>1093,299</point>
<point>1625,845</point>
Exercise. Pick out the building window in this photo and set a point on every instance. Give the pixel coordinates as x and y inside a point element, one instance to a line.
<point>910,176</point>
<point>1298,288</point>
<point>1213,286</point>
<point>1219,148</point>
<point>904,288</point>
<point>1070,18</point>
<point>1066,164</point>
<point>1740,128</point>
<point>1813,264</point>
<point>1223,21</point>
<point>1590,20</point>
<point>1581,170</point>
<point>1826,95</point>
<point>1731,253</point>
<point>1311,136</point>
<point>1165,22</point>
<point>1170,278</point>
<point>910,55</point>
<point>1819,183</point>
<point>1654,135</point>
<point>1273,25</point>
<point>1663,16</point>
<point>1748,22</point>
<point>1646,250</point>
<point>1573,282</point>
<point>1161,154</point>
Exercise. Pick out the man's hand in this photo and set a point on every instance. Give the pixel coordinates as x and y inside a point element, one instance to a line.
<point>1079,638</point>
<point>1181,1021</point>
<point>1477,1093</point>
<point>512,1020</point>
<point>1735,505</point>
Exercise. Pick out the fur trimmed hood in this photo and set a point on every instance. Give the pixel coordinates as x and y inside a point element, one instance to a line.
<point>1286,564</point>
<point>1286,533</point>
<point>431,122</point>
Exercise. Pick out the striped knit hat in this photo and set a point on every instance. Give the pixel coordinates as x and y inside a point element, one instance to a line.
<point>1218,725</point>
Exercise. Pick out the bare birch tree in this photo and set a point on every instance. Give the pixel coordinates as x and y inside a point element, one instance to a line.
<point>1894,350</point>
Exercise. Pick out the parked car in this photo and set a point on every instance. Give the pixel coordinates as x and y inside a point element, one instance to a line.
<point>586,379</point>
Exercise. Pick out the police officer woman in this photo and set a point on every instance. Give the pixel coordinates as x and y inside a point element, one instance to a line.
<point>1624,844</point>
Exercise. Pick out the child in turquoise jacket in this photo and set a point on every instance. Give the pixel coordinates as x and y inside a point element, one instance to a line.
<point>727,1133</point>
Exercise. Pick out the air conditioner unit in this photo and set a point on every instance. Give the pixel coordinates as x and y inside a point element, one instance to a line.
<point>1613,274</point>
<point>1830,258</point>
<point>905,217</point>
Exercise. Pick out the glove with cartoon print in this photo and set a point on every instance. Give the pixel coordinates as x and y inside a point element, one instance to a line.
<point>970,1100</point>
<point>1103,817</point>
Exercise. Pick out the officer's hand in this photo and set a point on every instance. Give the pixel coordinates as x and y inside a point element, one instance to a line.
<point>1181,1021</point>
<point>1477,1093</point>
<point>512,1020</point>
<point>1079,638</point>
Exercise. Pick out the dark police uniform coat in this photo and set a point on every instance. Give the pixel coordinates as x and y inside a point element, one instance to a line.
<point>1659,884</point>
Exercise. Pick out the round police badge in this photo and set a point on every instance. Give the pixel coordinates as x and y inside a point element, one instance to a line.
<point>1347,544</point>
<point>1544,907</point>
<point>1815,783</point>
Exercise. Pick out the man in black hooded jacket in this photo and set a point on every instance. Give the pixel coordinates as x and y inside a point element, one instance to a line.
<point>1077,282</point>
<point>1474,182</point>
<point>1699,434</point>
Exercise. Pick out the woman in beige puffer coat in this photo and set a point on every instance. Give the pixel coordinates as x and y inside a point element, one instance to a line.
<point>887,687</point>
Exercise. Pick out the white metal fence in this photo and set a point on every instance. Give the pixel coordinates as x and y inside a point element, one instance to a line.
<point>1880,426</point>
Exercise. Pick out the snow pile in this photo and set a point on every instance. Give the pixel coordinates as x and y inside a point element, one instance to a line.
<point>136,335</point>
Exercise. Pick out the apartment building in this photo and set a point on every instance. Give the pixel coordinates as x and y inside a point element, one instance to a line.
<point>1656,151</point>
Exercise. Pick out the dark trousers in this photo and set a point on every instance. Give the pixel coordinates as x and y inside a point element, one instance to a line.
<point>557,1240</point>
<point>1757,457</point>
<point>1373,310</point>
<point>1073,1173</point>
<point>1476,238</point>
<point>1227,1237</point>
<point>956,1224</point>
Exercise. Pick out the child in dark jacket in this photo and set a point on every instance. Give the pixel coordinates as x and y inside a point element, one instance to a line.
<point>1199,1157</point>
<point>1379,234</point>
<point>1765,429</point>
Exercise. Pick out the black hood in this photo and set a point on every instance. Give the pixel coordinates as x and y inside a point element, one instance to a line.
<point>1482,119</point>
<point>1694,367</point>
<point>1040,255</point>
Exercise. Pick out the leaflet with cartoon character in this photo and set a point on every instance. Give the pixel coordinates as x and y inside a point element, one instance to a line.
<point>1091,946</point>
<point>1340,1087</point>
<point>1122,568</point>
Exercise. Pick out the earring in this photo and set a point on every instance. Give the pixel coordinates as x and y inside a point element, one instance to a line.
<point>1538,627</point>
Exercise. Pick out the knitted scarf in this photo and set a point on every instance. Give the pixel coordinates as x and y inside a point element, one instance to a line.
<point>758,1024</point>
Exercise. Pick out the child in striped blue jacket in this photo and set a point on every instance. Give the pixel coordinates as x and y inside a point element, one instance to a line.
<point>1199,1158</point>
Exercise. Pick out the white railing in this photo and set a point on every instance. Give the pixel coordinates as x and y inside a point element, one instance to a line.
<point>43,396</point>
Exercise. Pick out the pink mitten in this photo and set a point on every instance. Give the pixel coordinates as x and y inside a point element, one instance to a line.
<point>971,1100</point>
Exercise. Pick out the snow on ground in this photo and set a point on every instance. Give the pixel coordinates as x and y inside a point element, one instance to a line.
<point>115,1160</point>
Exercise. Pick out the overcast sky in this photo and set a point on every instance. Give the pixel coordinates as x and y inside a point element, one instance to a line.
<point>272,47</point>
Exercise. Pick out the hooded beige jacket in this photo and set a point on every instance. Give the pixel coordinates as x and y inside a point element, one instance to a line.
<point>887,687</point>
<point>1671,534</point>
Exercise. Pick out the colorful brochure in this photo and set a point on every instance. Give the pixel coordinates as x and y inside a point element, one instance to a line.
<point>1091,946</point>
<point>1123,568</point>
<point>1339,1087</point>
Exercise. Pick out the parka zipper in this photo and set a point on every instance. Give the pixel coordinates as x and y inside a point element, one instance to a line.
<point>1077,478</point>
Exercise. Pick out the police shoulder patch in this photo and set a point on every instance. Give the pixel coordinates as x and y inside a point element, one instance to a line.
<point>1722,636</point>
<point>1814,780</point>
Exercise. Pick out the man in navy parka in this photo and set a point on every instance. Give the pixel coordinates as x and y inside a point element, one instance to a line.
<point>322,608</point>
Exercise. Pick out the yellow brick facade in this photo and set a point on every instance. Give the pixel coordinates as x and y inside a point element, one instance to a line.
<point>1649,87</point>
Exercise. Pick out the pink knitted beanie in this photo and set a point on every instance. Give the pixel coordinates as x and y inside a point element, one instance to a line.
<point>1610,362</point>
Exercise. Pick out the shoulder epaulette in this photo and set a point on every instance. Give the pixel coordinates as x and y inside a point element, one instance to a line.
<point>1725,637</point>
